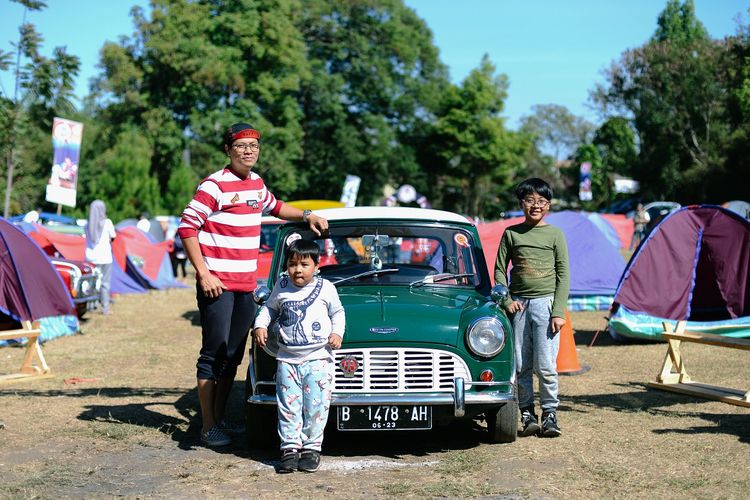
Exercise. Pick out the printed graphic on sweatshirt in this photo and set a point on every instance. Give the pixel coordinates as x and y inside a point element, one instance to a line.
<point>293,313</point>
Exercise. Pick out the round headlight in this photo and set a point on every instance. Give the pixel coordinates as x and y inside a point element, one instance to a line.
<point>486,337</point>
<point>85,287</point>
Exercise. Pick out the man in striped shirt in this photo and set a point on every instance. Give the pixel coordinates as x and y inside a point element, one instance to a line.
<point>220,231</point>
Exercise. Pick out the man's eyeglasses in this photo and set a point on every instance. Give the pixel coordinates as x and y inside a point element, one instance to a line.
<point>531,202</point>
<point>254,146</point>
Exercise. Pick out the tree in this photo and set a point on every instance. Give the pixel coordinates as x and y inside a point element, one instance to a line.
<point>120,176</point>
<point>375,83</point>
<point>191,70</point>
<point>673,90</point>
<point>554,134</point>
<point>555,130</point>
<point>615,142</point>
<point>43,89</point>
<point>477,154</point>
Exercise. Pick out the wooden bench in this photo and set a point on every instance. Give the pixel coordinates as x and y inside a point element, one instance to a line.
<point>674,377</point>
<point>33,365</point>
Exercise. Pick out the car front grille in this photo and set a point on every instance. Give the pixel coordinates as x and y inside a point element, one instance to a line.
<point>399,370</point>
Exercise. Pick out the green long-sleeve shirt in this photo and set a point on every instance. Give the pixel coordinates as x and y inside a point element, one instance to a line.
<point>540,264</point>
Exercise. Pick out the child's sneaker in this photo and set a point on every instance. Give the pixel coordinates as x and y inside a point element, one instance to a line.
<point>529,423</point>
<point>309,461</point>
<point>215,437</point>
<point>289,461</point>
<point>549,425</point>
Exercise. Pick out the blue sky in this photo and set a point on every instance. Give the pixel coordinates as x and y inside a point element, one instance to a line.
<point>552,51</point>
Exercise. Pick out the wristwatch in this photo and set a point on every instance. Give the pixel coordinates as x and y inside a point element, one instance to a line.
<point>306,214</point>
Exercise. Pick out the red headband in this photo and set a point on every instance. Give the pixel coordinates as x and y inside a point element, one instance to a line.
<point>248,133</point>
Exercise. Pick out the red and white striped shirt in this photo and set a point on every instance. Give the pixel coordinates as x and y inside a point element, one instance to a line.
<point>225,216</point>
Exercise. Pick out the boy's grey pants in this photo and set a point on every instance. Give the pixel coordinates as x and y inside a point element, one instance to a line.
<point>536,352</point>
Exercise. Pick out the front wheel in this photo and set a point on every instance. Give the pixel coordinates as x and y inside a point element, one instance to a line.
<point>502,424</point>
<point>261,423</point>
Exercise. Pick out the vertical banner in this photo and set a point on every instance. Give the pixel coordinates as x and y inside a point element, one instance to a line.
<point>584,188</point>
<point>66,150</point>
<point>351,188</point>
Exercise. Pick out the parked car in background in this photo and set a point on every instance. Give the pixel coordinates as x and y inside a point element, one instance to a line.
<point>624,206</point>
<point>83,280</point>
<point>657,210</point>
<point>426,342</point>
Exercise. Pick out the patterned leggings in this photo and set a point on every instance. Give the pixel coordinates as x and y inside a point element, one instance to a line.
<point>303,395</point>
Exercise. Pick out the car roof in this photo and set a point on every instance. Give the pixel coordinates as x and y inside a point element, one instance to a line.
<point>383,213</point>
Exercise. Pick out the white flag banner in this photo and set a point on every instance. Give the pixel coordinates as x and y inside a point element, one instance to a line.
<point>66,149</point>
<point>351,188</point>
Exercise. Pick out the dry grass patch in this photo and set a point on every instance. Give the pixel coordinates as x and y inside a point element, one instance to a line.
<point>133,430</point>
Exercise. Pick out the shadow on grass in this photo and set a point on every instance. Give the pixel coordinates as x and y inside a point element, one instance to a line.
<point>604,339</point>
<point>193,316</point>
<point>656,402</point>
<point>157,413</point>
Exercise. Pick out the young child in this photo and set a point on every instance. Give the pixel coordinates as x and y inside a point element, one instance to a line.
<point>311,320</point>
<point>539,284</point>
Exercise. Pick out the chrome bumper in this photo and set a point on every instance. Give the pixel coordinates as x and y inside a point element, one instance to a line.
<point>458,398</point>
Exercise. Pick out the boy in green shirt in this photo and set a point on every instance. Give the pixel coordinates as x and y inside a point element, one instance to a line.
<point>539,285</point>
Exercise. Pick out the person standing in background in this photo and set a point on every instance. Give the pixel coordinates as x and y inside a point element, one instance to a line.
<point>99,235</point>
<point>144,224</point>
<point>640,220</point>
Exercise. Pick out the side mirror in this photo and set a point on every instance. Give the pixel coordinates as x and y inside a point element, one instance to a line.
<point>261,294</point>
<point>499,293</point>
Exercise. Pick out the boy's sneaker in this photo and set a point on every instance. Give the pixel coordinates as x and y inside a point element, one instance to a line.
<point>309,461</point>
<point>289,461</point>
<point>230,427</point>
<point>549,425</point>
<point>529,423</point>
<point>215,437</point>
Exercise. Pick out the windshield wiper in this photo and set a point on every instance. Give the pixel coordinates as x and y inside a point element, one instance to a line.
<point>366,273</point>
<point>433,279</point>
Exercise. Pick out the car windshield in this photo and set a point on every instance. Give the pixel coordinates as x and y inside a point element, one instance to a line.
<point>395,255</point>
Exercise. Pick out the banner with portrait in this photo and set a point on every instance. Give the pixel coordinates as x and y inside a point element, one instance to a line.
<point>66,151</point>
<point>584,186</point>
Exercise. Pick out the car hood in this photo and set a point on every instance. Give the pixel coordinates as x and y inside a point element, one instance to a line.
<point>400,314</point>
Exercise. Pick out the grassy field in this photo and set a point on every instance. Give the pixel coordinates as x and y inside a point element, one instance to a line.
<point>119,418</point>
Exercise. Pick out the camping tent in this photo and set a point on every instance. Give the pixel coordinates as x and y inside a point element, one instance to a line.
<point>694,266</point>
<point>71,246</point>
<point>595,263</point>
<point>30,287</point>
<point>148,263</point>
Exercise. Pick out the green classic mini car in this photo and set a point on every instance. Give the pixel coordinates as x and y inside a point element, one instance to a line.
<point>426,341</point>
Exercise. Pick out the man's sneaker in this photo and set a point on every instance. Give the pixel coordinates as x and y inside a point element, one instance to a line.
<point>289,461</point>
<point>309,461</point>
<point>230,427</point>
<point>529,423</point>
<point>549,425</point>
<point>215,437</point>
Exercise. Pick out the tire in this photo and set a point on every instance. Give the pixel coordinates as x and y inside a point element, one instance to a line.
<point>261,423</point>
<point>502,424</point>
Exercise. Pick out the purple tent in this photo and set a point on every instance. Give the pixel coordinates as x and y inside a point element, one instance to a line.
<point>694,266</point>
<point>30,287</point>
<point>595,263</point>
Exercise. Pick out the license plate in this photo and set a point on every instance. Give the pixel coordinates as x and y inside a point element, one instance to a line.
<point>384,417</point>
